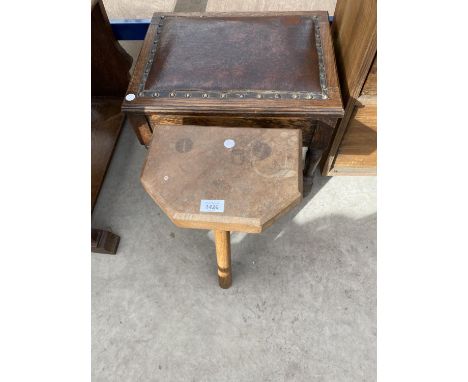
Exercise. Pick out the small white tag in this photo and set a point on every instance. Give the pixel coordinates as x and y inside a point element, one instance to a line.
<point>229,143</point>
<point>212,206</point>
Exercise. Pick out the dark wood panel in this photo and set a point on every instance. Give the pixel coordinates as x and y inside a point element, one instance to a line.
<point>106,122</point>
<point>110,64</point>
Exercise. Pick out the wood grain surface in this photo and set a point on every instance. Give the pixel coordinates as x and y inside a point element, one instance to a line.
<point>259,179</point>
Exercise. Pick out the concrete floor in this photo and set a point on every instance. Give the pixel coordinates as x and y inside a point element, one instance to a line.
<point>302,306</point>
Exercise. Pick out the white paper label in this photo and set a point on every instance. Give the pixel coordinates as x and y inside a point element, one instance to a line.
<point>212,206</point>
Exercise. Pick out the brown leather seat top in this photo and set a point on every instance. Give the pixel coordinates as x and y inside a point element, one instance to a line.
<point>236,53</point>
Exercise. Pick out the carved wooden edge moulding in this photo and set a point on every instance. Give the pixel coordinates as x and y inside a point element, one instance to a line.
<point>231,94</point>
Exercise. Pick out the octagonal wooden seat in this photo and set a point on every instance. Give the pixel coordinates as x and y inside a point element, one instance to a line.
<point>224,179</point>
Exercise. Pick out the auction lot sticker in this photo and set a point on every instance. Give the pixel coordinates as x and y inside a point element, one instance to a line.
<point>212,205</point>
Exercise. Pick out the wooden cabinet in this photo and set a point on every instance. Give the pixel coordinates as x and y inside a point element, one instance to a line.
<point>354,147</point>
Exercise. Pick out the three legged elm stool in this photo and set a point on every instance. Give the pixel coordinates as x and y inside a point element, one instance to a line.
<point>224,179</point>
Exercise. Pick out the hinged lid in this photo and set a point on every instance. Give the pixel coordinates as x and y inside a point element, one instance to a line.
<point>236,63</point>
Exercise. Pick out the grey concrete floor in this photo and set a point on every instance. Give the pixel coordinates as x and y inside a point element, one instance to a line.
<point>302,306</point>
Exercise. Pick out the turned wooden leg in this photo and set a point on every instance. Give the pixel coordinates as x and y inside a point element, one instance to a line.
<point>141,127</point>
<point>223,256</point>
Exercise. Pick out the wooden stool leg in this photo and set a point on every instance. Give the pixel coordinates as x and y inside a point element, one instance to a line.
<point>223,256</point>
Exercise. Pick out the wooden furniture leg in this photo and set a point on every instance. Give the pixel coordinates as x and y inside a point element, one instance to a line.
<point>141,127</point>
<point>223,256</point>
<point>313,157</point>
<point>104,242</point>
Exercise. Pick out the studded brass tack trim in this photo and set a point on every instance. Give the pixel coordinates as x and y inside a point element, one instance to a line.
<point>322,72</point>
<point>163,93</point>
<point>149,61</point>
<point>233,94</point>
